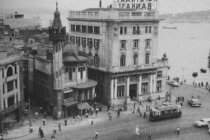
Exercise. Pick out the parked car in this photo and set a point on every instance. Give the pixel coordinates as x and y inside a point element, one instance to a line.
<point>202,122</point>
<point>194,102</point>
<point>173,83</point>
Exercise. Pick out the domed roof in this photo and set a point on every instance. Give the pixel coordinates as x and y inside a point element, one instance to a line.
<point>70,49</point>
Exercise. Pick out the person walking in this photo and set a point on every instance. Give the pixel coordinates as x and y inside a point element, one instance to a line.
<point>2,137</point>
<point>86,115</point>
<point>65,122</point>
<point>150,136</point>
<point>91,121</point>
<point>53,137</point>
<point>96,135</point>
<point>118,113</point>
<point>43,121</point>
<point>137,130</point>
<point>59,126</point>
<point>178,131</point>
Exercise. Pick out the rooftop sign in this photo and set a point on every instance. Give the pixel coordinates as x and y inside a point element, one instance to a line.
<point>145,5</point>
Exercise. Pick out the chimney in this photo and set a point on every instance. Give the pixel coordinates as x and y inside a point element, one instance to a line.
<point>100,4</point>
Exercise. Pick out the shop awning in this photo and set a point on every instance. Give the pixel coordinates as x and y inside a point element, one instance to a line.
<point>9,120</point>
<point>83,106</point>
<point>88,84</point>
<point>68,104</point>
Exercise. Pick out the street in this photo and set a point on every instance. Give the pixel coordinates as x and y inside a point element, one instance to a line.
<point>123,128</point>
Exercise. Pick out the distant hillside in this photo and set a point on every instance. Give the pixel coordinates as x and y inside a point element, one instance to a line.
<point>192,17</point>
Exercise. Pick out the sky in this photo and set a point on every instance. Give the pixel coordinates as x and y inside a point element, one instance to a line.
<point>166,6</point>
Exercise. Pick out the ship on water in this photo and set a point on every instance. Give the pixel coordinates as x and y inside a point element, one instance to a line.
<point>165,27</point>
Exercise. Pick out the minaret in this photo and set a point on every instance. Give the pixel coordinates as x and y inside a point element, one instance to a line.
<point>57,35</point>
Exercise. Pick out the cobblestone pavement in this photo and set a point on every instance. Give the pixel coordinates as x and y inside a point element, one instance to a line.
<point>124,127</point>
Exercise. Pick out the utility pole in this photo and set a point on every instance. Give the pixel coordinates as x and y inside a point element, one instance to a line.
<point>81,107</point>
<point>2,119</point>
<point>29,113</point>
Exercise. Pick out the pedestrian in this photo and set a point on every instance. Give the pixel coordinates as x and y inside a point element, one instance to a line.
<point>110,116</point>
<point>65,122</point>
<point>96,111</point>
<point>6,131</point>
<point>40,109</point>
<point>96,135</point>
<point>177,130</point>
<point>2,137</point>
<point>45,114</point>
<point>137,130</point>
<point>150,136</point>
<point>86,115</point>
<point>145,115</point>
<point>40,129</point>
<point>138,109</point>
<point>53,137</point>
<point>59,126</point>
<point>91,121</point>
<point>43,122</point>
<point>100,108</point>
<point>118,113</point>
<point>41,133</point>
<point>134,105</point>
<point>36,114</point>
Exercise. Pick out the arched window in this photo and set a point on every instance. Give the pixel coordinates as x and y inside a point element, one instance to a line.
<point>135,59</point>
<point>122,60</point>
<point>147,58</point>
<point>9,72</point>
<point>96,60</point>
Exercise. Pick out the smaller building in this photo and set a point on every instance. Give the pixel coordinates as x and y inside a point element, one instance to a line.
<point>62,86</point>
<point>11,88</point>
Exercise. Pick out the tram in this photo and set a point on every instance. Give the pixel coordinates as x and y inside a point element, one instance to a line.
<point>165,111</point>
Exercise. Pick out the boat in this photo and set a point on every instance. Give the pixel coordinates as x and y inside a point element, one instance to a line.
<point>165,27</point>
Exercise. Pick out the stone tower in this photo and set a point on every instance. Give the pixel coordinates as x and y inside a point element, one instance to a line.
<point>57,35</point>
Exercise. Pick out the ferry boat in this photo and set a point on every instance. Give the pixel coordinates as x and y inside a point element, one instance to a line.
<point>165,27</point>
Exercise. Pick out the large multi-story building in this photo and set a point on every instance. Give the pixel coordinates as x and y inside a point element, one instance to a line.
<point>124,47</point>
<point>11,88</point>
<point>61,81</point>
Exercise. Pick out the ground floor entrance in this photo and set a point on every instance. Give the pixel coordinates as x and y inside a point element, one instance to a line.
<point>133,91</point>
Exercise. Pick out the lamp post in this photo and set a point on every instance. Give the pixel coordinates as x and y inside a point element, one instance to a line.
<point>29,113</point>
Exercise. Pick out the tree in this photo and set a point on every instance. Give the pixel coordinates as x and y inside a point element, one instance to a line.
<point>194,74</point>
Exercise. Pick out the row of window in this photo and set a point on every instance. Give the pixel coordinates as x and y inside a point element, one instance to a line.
<point>148,43</point>
<point>144,89</point>
<point>73,96</point>
<point>70,70</point>
<point>85,29</point>
<point>90,42</point>
<point>136,30</point>
<point>135,59</point>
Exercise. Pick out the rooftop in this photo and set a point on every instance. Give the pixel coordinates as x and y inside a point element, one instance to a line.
<point>113,14</point>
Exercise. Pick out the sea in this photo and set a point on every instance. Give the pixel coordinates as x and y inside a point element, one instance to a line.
<point>187,47</point>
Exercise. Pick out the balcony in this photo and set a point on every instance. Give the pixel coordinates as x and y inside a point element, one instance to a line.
<point>155,65</point>
<point>11,108</point>
<point>11,78</point>
<point>147,48</point>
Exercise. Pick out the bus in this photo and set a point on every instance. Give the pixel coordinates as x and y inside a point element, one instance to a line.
<point>165,111</point>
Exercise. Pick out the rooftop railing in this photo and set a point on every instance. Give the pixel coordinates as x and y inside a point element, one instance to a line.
<point>113,14</point>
